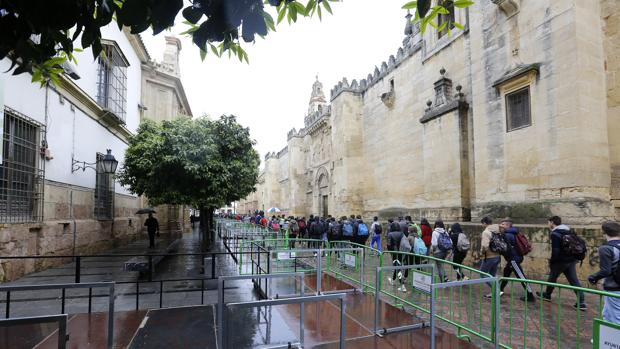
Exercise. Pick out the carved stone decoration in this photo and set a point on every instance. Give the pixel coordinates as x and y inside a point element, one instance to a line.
<point>509,7</point>
<point>443,89</point>
<point>445,101</point>
<point>388,99</point>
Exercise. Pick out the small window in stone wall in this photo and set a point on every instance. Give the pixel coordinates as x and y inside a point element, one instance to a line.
<point>448,18</point>
<point>518,109</point>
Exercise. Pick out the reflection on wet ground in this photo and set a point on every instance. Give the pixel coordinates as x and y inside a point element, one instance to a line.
<point>194,326</point>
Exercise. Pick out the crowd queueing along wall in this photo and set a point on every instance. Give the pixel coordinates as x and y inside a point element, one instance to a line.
<point>536,263</point>
<point>430,132</point>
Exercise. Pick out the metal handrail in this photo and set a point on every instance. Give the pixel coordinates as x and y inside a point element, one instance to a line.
<point>60,319</point>
<point>221,301</point>
<point>63,287</point>
<point>301,301</point>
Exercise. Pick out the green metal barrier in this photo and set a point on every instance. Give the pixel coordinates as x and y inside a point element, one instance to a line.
<point>548,324</point>
<point>346,267</point>
<point>280,265</point>
<point>464,311</point>
<point>465,308</point>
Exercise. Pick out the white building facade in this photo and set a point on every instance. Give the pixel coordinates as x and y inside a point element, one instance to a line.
<point>54,196</point>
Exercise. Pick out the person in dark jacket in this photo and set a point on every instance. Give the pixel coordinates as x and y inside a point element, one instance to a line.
<point>361,239</point>
<point>457,256</point>
<point>561,262</point>
<point>393,245</point>
<point>152,228</point>
<point>426,233</point>
<point>609,261</point>
<point>404,227</point>
<point>513,260</point>
<point>355,225</point>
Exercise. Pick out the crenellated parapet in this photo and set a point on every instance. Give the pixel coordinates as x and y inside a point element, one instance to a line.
<point>411,44</point>
<point>316,120</point>
<point>282,152</point>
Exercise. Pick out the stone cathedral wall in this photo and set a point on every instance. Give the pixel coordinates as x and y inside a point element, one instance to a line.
<point>426,132</point>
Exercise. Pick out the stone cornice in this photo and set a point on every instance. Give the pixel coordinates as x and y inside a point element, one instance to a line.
<point>169,80</point>
<point>89,106</point>
<point>516,72</point>
<point>138,45</point>
<point>444,109</point>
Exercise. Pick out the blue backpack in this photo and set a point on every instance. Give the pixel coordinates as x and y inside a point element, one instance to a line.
<point>419,247</point>
<point>444,242</point>
<point>347,230</point>
<point>362,229</point>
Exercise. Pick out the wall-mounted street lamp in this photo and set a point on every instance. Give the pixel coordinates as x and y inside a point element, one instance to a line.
<point>109,164</point>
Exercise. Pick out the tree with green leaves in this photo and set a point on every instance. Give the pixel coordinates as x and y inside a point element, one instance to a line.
<point>38,35</point>
<point>199,162</point>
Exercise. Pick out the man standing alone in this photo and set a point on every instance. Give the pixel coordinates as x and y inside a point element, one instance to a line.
<point>152,227</point>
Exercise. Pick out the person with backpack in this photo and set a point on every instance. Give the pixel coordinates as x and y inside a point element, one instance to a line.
<point>293,229</point>
<point>303,232</point>
<point>376,230</point>
<point>404,227</point>
<point>441,245</point>
<point>275,224</point>
<point>316,231</point>
<point>460,246</point>
<point>347,230</point>
<point>405,247</point>
<point>426,233</point>
<point>418,247</point>
<point>563,259</point>
<point>514,257</point>
<point>609,264</point>
<point>335,232</point>
<point>411,226</point>
<point>489,248</point>
<point>362,231</point>
<point>393,245</point>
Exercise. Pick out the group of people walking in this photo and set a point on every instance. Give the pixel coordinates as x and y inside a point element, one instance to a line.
<point>498,241</point>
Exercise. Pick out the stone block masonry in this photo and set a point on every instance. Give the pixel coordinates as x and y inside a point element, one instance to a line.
<point>69,227</point>
<point>491,120</point>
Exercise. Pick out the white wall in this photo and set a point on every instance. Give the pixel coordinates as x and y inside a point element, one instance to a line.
<point>87,68</point>
<point>73,132</point>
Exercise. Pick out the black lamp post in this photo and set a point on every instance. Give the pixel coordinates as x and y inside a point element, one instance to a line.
<point>108,162</point>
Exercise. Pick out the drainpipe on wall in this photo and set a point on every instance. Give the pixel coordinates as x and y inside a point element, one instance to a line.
<point>72,218</point>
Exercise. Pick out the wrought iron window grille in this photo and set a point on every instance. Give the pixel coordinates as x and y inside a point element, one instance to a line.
<point>22,172</point>
<point>112,81</point>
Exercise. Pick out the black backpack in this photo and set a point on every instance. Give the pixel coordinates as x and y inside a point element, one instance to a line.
<point>574,246</point>
<point>335,231</point>
<point>498,243</point>
<point>378,229</point>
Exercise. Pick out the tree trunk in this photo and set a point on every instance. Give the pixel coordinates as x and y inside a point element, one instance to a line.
<point>207,228</point>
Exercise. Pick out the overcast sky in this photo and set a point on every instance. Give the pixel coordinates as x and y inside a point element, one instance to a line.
<point>270,95</point>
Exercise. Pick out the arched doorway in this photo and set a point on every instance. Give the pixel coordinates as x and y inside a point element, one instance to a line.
<point>322,186</point>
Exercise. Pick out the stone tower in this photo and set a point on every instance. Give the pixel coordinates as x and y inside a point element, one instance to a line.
<point>171,55</point>
<point>317,99</point>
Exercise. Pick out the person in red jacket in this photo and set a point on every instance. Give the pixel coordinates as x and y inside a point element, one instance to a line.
<point>426,232</point>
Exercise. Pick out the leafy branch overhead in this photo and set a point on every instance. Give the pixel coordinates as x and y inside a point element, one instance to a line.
<point>426,14</point>
<point>32,33</point>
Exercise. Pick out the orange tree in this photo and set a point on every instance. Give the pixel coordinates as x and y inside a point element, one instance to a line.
<point>199,162</point>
